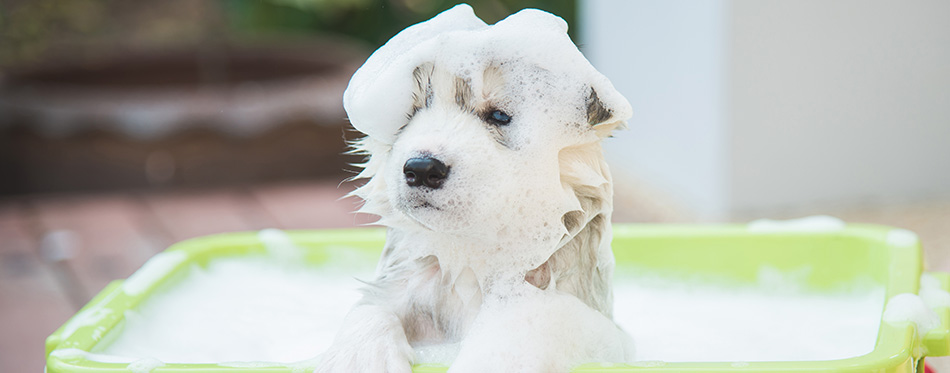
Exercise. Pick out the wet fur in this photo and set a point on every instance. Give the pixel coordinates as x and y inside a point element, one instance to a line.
<point>413,301</point>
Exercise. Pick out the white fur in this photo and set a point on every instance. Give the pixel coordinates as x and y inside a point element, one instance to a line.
<point>511,256</point>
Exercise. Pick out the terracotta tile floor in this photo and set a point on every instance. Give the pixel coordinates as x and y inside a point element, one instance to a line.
<point>56,252</point>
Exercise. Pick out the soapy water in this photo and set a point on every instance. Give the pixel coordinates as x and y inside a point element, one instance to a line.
<point>241,309</point>
<point>706,319</point>
<point>257,311</point>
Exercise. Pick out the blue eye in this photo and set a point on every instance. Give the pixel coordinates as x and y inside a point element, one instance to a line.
<point>498,118</point>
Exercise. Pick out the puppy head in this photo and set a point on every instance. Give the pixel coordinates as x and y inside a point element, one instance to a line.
<point>476,130</point>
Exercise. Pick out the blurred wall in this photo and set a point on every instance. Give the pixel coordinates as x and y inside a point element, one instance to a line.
<point>751,106</point>
<point>839,101</point>
<point>667,58</point>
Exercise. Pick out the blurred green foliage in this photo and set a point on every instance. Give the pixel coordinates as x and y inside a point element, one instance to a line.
<point>373,21</point>
<point>33,31</point>
<point>27,28</point>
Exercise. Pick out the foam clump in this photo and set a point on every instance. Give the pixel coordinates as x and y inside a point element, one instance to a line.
<point>145,365</point>
<point>901,238</point>
<point>919,309</point>
<point>814,224</point>
<point>279,245</point>
<point>378,97</point>
<point>910,308</point>
<point>932,293</point>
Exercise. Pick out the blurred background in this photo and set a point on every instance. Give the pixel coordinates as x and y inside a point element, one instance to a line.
<point>128,126</point>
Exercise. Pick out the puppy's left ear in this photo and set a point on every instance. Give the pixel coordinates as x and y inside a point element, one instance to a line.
<point>597,113</point>
<point>606,113</point>
<point>603,118</point>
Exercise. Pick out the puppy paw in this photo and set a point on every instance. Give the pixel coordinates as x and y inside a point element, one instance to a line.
<point>379,356</point>
<point>371,340</point>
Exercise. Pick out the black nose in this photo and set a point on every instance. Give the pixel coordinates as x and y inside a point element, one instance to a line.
<point>426,171</point>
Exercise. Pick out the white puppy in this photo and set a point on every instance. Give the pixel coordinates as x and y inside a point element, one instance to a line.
<point>484,161</point>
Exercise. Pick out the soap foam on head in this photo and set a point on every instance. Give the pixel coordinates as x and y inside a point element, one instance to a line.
<point>378,97</point>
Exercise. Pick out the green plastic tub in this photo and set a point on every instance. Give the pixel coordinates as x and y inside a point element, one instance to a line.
<point>835,257</point>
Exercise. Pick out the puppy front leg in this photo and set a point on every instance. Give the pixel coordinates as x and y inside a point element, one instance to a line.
<point>371,339</point>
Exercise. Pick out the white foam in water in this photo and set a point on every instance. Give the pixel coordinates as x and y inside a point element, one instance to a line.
<point>674,320</point>
<point>240,310</point>
<point>152,271</point>
<point>257,312</point>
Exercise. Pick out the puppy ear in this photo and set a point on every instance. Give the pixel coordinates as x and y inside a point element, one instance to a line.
<point>603,116</point>
<point>597,113</point>
<point>422,87</point>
